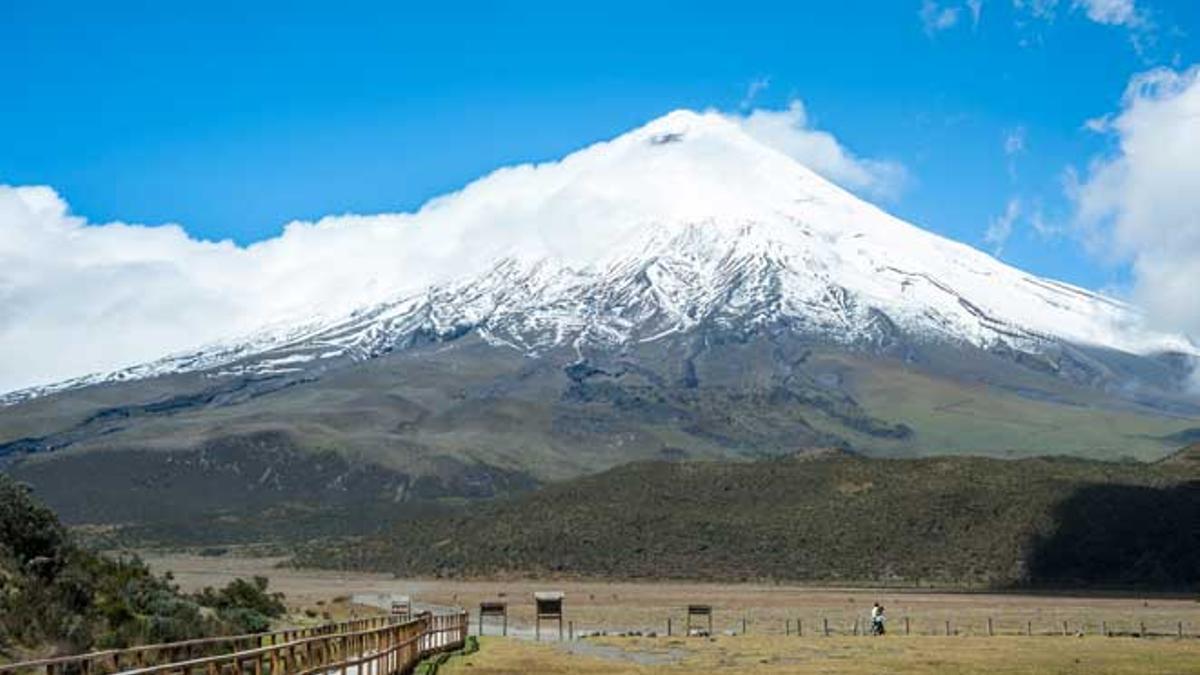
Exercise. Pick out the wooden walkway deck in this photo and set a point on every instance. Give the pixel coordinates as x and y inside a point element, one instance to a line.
<point>377,646</point>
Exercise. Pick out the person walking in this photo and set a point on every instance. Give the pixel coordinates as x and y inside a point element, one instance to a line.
<point>877,619</point>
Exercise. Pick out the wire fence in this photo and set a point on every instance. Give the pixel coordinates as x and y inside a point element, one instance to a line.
<point>732,623</point>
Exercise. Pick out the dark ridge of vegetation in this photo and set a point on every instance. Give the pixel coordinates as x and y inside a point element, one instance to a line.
<point>1123,535</point>
<point>239,489</point>
<point>269,532</point>
<point>833,518</point>
<point>59,598</point>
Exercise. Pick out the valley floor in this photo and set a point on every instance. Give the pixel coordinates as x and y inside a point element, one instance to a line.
<point>767,609</point>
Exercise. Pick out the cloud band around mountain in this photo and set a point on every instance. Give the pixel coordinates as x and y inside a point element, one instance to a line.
<point>79,297</point>
<point>1141,202</point>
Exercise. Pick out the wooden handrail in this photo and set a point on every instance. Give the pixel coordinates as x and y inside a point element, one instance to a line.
<point>114,660</point>
<point>395,648</point>
<point>259,651</point>
<point>387,660</point>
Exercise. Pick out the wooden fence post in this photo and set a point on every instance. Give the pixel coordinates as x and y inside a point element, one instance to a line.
<point>743,625</point>
<point>799,627</point>
<point>1064,628</point>
<point>668,626</point>
<point>826,622</point>
<point>907,627</point>
<point>1143,631</point>
<point>787,626</point>
<point>990,631</point>
<point>947,627</point>
<point>1104,628</point>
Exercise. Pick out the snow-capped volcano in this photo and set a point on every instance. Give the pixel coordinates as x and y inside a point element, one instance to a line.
<point>688,221</point>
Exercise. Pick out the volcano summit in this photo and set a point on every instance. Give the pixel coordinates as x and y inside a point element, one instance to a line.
<point>683,290</point>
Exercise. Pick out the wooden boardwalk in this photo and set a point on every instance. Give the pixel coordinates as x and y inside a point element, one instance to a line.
<point>377,646</point>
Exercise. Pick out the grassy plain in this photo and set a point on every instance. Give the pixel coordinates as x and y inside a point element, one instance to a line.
<point>842,655</point>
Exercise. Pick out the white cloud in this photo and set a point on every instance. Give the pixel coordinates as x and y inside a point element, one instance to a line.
<point>976,9</point>
<point>1014,146</point>
<point>1123,13</point>
<point>79,297</point>
<point>1014,141</point>
<point>936,18</point>
<point>1142,201</point>
<point>1111,12</point>
<point>1040,9</point>
<point>757,86</point>
<point>1001,227</point>
<point>1032,14</point>
<point>789,131</point>
<point>1043,227</point>
<point>1096,124</point>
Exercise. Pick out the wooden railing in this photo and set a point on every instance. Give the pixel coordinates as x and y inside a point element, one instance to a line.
<point>375,646</point>
<point>396,653</point>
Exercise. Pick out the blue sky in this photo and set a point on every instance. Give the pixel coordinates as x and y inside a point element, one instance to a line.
<point>233,120</point>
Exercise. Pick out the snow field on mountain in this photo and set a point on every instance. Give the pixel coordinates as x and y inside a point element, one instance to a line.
<point>684,221</point>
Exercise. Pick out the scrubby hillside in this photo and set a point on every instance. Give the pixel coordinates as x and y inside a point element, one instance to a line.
<point>829,518</point>
<point>56,597</point>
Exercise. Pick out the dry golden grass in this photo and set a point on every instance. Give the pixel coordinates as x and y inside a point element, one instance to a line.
<point>623,606</point>
<point>646,606</point>
<point>842,655</point>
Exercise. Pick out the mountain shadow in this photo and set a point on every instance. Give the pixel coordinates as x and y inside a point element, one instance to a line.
<point>1122,535</point>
